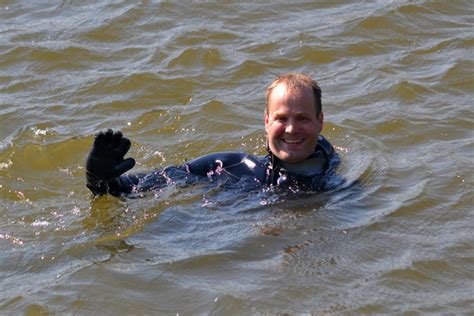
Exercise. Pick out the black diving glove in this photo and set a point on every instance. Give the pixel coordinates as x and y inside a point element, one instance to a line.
<point>105,162</point>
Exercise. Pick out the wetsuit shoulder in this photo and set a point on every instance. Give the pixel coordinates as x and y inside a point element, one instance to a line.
<point>325,146</point>
<point>328,150</point>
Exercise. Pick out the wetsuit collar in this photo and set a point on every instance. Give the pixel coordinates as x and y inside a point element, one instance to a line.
<point>309,167</point>
<point>312,166</point>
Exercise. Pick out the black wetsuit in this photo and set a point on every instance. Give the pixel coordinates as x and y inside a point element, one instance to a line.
<point>229,167</point>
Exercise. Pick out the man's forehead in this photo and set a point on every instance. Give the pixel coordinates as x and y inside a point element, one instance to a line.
<point>289,109</point>
<point>284,90</point>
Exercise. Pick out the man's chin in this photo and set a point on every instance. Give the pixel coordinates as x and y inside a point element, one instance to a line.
<point>291,157</point>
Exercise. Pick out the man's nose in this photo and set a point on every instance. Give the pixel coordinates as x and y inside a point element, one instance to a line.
<point>290,126</point>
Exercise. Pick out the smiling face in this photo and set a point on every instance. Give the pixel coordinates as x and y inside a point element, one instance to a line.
<point>291,123</point>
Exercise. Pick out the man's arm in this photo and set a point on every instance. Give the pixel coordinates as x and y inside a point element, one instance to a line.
<point>105,166</point>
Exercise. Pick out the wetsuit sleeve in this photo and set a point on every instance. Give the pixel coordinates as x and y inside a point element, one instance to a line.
<point>230,164</point>
<point>105,168</point>
<point>116,186</point>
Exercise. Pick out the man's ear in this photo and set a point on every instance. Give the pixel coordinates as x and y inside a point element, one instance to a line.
<point>266,121</point>
<point>321,121</point>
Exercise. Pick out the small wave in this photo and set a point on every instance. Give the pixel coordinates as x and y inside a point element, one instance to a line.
<point>110,27</point>
<point>451,44</point>
<point>247,68</point>
<point>205,37</point>
<point>459,77</point>
<point>197,58</point>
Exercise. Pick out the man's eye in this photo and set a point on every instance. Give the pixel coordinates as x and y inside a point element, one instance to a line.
<point>281,119</point>
<point>303,119</point>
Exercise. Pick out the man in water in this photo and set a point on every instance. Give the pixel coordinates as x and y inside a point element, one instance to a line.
<point>298,156</point>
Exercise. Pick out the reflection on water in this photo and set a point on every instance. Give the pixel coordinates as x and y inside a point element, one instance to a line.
<point>185,80</point>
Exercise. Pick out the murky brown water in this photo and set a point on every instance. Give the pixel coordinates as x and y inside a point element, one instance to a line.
<point>183,80</point>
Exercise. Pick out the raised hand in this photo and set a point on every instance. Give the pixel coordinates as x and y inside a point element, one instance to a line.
<point>105,160</point>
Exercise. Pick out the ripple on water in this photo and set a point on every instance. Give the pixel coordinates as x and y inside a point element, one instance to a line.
<point>205,37</point>
<point>182,80</point>
<point>111,27</point>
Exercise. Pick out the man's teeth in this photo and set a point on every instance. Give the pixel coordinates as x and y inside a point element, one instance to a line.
<point>292,141</point>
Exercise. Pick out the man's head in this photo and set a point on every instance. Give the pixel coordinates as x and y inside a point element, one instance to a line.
<point>293,117</point>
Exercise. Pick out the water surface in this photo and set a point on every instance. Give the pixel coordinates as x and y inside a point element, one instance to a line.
<point>183,80</point>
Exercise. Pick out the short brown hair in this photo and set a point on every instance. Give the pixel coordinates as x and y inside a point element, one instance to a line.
<point>297,81</point>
